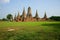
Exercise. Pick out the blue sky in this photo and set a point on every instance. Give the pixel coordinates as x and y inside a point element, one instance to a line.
<point>52,7</point>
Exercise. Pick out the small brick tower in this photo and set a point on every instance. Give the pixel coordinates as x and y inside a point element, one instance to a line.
<point>36,16</point>
<point>18,17</point>
<point>45,16</point>
<point>24,15</point>
<point>15,18</point>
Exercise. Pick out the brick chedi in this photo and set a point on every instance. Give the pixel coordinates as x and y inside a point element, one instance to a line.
<point>37,16</point>
<point>28,17</point>
<point>29,14</point>
<point>24,15</point>
<point>45,17</point>
<point>15,17</point>
<point>18,17</point>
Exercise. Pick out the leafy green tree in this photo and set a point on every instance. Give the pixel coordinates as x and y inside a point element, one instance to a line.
<point>4,19</point>
<point>10,17</point>
<point>56,18</point>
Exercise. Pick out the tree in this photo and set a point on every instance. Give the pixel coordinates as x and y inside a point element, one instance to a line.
<point>56,18</point>
<point>10,17</point>
<point>4,19</point>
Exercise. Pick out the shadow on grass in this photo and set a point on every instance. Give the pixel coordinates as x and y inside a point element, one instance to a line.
<point>55,25</point>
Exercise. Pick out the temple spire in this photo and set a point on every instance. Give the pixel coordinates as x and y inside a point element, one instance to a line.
<point>15,17</point>
<point>29,12</point>
<point>18,14</point>
<point>18,17</point>
<point>24,13</point>
<point>36,16</point>
<point>45,16</point>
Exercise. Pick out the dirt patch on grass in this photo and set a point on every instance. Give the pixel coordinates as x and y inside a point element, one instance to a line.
<point>11,28</point>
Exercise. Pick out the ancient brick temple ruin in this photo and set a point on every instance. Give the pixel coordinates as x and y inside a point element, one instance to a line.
<point>28,17</point>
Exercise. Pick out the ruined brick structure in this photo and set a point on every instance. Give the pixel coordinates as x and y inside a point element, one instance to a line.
<point>26,17</point>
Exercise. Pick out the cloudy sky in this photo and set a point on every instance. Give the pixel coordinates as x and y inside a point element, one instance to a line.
<point>4,1</point>
<point>52,7</point>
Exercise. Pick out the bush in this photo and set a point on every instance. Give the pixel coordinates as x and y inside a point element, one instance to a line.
<point>4,19</point>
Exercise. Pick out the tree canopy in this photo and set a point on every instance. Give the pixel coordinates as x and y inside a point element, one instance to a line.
<point>56,18</point>
<point>9,17</point>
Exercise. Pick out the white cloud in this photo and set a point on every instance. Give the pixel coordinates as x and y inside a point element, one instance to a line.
<point>4,1</point>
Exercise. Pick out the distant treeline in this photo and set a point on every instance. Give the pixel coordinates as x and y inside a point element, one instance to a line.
<point>56,18</point>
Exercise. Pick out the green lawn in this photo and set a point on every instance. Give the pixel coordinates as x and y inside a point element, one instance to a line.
<point>30,30</point>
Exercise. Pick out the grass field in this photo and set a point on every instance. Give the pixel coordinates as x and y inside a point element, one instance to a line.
<point>30,30</point>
